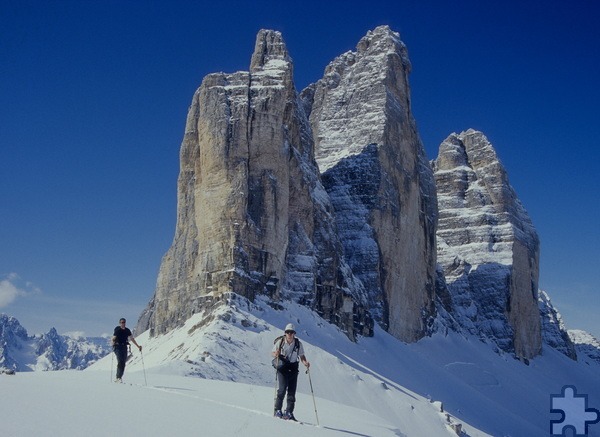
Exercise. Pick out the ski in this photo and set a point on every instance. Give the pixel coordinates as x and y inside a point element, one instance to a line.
<point>296,421</point>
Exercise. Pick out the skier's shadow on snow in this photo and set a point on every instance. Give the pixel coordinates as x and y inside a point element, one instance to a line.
<point>345,431</point>
<point>164,387</point>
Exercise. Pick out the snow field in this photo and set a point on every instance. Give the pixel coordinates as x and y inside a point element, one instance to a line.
<point>213,377</point>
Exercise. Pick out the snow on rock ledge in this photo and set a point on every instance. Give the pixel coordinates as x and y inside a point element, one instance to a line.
<point>487,246</point>
<point>380,182</point>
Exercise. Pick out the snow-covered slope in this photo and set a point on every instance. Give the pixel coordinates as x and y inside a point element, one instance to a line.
<point>391,387</point>
<point>178,406</point>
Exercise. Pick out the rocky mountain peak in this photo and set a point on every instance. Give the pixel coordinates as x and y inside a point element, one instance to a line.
<point>554,331</point>
<point>487,246</point>
<point>360,92</point>
<point>472,149</point>
<point>383,41</point>
<point>253,217</point>
<point>587,346</point>
<point>270,52</point>
<point>378,177</point>
<point>327,199</point>
<point>11,329</point>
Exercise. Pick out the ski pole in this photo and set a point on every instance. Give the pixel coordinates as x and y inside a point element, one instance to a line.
<point>144,367</point>
<point>313,395</point>
<point>276,381</point>
<point>112,357</point>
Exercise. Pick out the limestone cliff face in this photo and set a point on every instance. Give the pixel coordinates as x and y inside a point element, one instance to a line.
<point>487,246</point>
<point>327,199</point>
<point>380,182</point>
<point>253,217</point>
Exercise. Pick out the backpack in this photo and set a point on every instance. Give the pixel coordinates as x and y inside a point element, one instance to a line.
<point>281,338</point>
<point>281,363</point>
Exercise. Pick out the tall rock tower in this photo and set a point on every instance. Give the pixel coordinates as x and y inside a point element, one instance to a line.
<point>253,217</point>
<point>380,182</point>
<point>487,246</point>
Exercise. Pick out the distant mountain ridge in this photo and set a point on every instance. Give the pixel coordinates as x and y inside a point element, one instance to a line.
<point>586,345</point>
<point>51,351</point>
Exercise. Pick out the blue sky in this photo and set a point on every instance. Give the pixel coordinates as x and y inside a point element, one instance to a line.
<point>94,97</point>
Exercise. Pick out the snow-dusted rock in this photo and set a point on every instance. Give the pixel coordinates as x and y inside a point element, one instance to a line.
<point>253,217</point>
<point>58,352</point>
<point>487,246</point>
<point>586,345</point>
<point>554,332</point>
<point>576,344</point>
<point>380,182</point>
<point>328,200</point>
<point>50,351</point>
<point>13,338</point>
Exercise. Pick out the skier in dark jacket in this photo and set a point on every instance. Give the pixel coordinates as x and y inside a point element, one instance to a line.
<point>289,349</point>
<point>120,340</point>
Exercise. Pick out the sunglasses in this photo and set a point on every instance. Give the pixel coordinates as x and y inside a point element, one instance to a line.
<point>290,332</point>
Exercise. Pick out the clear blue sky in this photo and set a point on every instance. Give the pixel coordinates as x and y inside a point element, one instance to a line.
<point>94,97</point>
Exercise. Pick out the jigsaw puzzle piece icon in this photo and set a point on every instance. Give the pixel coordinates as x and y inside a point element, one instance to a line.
<point>574,411</point>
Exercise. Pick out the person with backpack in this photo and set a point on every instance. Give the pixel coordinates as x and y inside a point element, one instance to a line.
<point>287,352</point>
<point>120,340</point>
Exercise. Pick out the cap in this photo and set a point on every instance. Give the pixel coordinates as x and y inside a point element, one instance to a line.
<point>290,327</point>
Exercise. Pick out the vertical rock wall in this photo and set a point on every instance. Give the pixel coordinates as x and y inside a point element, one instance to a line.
<point>328,199</point>
<point>380,182</point>
<point>253,217</point>
<point>487,246</point>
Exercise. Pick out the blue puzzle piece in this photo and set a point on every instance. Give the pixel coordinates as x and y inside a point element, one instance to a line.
<point>574,412</point>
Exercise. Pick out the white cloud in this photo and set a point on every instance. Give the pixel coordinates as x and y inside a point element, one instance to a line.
<point>8,293</point>
<point>38,311</point>
<point>12,277</point>
<point>33,288</point>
